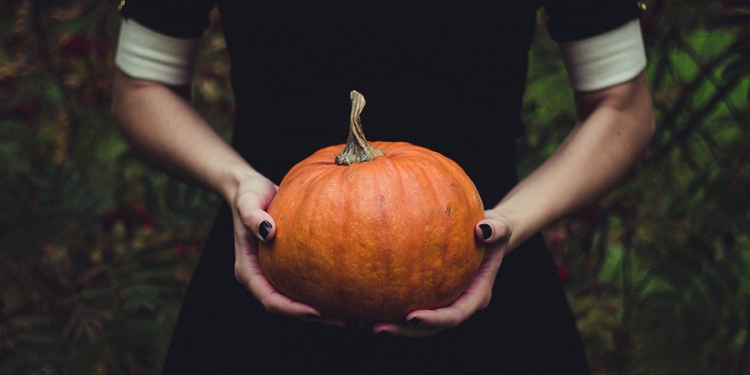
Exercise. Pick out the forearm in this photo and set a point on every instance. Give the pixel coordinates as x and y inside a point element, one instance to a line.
<point>615,126</point>
<point>165,129</point>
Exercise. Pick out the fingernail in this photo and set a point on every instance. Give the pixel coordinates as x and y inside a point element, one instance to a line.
<point>486,231</point>
<point>415,321</point>
<point>311,316</point>
<point>264,228</point>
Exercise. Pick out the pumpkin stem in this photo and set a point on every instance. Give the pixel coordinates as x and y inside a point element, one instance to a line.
<point>357,149</point>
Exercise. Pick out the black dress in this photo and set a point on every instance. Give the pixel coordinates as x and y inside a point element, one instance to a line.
<point>447,75</point>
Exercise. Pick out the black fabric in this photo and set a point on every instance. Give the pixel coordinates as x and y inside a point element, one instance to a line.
<point>459,69</point>
<point>527,329</point>
<point>179,19</point>
<point>569,19</point>
<point>580,19</point>
<point>442,74</point>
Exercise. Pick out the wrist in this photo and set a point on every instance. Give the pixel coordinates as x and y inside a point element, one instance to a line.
<point>522,224</point>
<point>233,178</point>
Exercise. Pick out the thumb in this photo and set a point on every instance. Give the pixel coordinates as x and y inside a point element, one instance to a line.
<point>493,229</point>
<point>258,221</point>
<point>266,230</point>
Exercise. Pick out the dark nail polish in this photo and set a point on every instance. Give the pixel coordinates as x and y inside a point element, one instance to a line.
<point>311,316</point>
<point>415,321</point>
<point>486,231</point>
<point>264,228</point>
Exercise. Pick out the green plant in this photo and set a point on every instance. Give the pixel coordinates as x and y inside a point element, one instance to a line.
<point>657,270</point>
<point>95,249</point>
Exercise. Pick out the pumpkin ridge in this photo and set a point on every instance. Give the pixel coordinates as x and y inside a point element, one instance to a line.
<point>374,240</point>
<point>419,179</point>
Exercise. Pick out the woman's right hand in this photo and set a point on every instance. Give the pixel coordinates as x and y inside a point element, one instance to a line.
<point>253,224</point>
<point>168,132</point>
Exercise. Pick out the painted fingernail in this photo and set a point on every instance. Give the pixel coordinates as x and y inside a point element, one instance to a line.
<point>486,231</point>
<point>264,228</point>
<point>311,316</point>
<point>415,321</point>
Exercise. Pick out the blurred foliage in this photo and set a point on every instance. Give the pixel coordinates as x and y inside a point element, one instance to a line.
<point>657,271</point>
<point>96,250</point>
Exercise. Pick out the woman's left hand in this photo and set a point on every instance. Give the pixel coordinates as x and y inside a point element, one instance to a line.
<point>494,230</point>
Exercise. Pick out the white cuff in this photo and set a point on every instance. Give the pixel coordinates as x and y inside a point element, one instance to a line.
<point>146,54</point>
<point>605,60</point>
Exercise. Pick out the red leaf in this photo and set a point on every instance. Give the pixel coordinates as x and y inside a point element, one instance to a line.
<point>563,274</point>
<point>77,45</point>
<point>24,111</point>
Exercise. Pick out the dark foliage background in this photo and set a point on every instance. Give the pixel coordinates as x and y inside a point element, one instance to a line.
<point>96,249</point>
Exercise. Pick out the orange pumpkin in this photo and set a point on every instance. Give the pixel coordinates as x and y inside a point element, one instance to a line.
<point>373,232</point>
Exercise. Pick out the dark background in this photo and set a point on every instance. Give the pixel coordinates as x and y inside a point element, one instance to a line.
<point>96,249</point>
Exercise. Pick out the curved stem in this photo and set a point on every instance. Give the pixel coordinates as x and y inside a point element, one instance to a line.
<point>357,149</point>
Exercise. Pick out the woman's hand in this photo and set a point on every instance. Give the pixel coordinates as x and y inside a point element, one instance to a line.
<point>495,231</point>
<point>252,224</point>
<point>615,126</point>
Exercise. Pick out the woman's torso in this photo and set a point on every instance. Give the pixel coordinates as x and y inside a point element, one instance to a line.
<point>442,74</point>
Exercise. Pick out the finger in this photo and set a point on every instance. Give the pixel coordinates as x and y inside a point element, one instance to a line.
<point>423,323</point>
<point>266,230</point>
<point>250,275</point>
<point>405,329</point>
<point>492,230</point>
<point>259,222</point>
<point>278,303</point>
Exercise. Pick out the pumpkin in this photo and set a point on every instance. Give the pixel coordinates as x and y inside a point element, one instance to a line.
<point>373,231</point>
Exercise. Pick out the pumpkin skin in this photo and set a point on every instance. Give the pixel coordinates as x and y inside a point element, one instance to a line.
<point>377,240</point>
<point>373,233</point>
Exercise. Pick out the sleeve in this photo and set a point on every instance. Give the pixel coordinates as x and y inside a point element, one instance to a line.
<point>186,19</point>
<point>158,39</point>
<point>600,41</point>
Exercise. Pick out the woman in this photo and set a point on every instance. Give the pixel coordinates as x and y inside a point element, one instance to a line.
<point>445,75</point>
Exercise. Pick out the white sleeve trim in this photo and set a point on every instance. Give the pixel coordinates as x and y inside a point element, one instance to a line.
<point>143,53</point>
<point>605,60</point>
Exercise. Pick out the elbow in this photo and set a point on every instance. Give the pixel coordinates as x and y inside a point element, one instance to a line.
<point>638,104</point>
<point>642,134</point>
<point>649,129</point>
